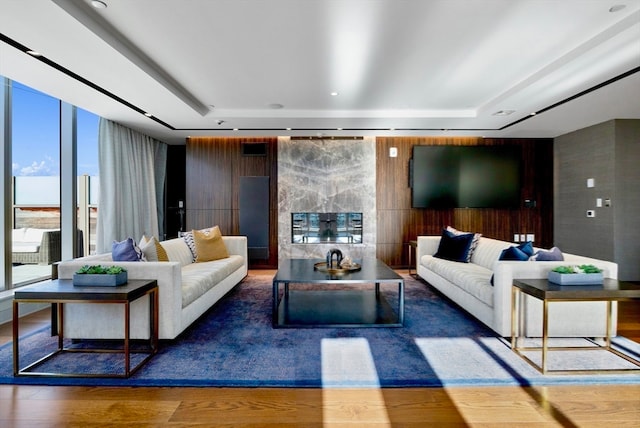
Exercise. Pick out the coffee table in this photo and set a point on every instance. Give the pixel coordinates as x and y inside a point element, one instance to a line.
<point>329,300</point>
<point>62,291</point>
<point>610,290</point>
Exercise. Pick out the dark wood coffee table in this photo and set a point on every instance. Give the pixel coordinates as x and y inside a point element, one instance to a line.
<point>328,300</point>
<point>609,291</point>
<point>61,291</point>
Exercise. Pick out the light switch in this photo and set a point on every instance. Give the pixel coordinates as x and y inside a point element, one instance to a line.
<point>393,152</point>
<point>591,213</point>
<point>591,182</point>
<point>599,202</point>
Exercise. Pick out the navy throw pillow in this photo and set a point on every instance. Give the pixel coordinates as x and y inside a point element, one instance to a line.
<point>454,247</point>
<point>125,251</point>
<point>513,253</point>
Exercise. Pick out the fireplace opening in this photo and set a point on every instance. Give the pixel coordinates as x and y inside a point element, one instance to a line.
<point>319,228</point>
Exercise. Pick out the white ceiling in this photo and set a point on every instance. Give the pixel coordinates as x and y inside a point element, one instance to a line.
<point>422,67</point>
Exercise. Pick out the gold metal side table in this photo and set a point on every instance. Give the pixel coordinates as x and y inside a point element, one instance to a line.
<point>610,290</point>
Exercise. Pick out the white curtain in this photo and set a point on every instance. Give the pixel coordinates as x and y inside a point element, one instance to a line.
<point>132,176</point>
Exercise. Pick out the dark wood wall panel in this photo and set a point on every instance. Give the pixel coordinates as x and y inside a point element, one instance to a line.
<point>398,223</point>
<point>214,166</point>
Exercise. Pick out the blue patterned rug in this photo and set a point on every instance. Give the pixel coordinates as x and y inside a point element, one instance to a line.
<point>234,345</point>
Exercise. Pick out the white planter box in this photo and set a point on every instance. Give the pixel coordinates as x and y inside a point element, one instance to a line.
<point>575,278</point>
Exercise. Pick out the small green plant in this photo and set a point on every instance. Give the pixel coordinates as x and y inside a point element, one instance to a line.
<point>108,270</point>
<point>577,269</point>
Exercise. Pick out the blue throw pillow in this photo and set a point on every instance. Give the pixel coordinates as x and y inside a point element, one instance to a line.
<point>526,247</point>
<point>125,251</point>
<point>552,255</point>
<point>454,247</point>
<point>513,253</point>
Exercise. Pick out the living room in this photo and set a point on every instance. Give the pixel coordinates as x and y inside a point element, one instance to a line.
<point>247,89</point>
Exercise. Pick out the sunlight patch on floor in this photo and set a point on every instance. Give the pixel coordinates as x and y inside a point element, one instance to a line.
<point>348,363</point>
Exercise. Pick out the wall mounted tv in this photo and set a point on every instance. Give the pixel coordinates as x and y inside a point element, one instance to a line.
<point>465,177</point>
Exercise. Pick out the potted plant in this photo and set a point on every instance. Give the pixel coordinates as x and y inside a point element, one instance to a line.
<point>576,275</point>
<point>100,276</point>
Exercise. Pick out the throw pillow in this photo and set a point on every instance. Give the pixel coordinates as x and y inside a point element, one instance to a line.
<point>474,242</point>
<point>454,247</point>
<point>513,253</point>
<point>527,248</point>
<point>209,245</point>
<point>125,251</point>
<point>149,247</point>
<point>554,254</point>
<point>191,243</point>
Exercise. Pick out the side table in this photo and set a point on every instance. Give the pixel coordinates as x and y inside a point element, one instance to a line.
<point>62,291</point>
<point>610,290</point>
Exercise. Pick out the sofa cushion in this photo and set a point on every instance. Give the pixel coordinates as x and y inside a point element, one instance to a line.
<point>17,234</point>
<point>191,243</point>
<point>198,278</point>
<point>488,252</point>
<point>125,251</point>
<point>454,247</point>
<point>177,251</point>
<point>209,245</point>
<point>470,277</point>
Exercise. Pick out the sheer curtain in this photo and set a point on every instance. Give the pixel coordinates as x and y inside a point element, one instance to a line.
<point>132,176</point>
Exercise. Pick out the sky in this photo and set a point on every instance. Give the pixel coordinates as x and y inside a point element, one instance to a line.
<point>36,134</point>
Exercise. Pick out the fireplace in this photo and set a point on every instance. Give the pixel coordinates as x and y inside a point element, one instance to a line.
<point>319,228</point>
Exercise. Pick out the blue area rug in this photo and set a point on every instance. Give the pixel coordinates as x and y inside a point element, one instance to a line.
<point>234,345</point>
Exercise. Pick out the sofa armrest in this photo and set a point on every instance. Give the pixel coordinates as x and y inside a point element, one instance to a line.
<point>168,275</point>
<point>50,247</point>
<point>427,246</point>
<point>237,245</point>
<point>504,272</point>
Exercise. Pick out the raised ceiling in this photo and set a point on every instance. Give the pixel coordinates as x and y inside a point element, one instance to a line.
<point>400,67</point>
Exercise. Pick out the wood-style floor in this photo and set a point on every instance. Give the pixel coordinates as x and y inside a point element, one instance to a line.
<point>557,406</point>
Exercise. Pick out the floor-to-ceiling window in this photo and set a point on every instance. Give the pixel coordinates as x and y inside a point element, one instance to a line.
<point>35,198</point>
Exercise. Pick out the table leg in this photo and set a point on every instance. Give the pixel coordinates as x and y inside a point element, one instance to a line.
<point>401,302</point>
<point>377,290</point>
<point>514,314</point>
<point>127,324</point>
<point>16,331</point>
<point>274,304</point>
<point>545,334</point>
<point>60,321</point>
<point>609,323</point>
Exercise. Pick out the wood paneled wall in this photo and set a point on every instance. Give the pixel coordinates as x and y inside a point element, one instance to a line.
<point>398,223</point>
<point>214,166</point>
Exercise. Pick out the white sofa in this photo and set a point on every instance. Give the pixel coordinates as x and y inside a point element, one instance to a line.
<point>469,286</point>
<point>186,290</point>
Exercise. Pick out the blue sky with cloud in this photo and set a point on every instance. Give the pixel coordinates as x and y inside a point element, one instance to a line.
<point>36,130</point>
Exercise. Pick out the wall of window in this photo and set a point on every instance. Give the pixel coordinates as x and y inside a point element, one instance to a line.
<point>35,196</point>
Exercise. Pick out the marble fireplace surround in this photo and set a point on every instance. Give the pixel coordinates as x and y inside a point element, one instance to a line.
<point>326,176</point>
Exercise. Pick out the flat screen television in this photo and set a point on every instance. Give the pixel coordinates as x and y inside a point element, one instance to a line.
<point>466,177</point>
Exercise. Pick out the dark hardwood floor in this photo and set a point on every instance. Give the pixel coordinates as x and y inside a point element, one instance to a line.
<point>557,406</point>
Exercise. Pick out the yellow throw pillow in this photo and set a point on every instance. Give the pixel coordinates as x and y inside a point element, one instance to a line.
<point>162,253</point>
<point>209,245</point>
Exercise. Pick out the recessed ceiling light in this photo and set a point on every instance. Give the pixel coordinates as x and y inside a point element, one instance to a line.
<point>98,4</point>
<point>34,53</point>
<point>617,8</point>
<point>235,129</point>
<point>288,129</point>
<point>339,129</point>
<point>503,113</point>
<point>533,114</point>
<point>148,114</point>
<point>335,94</point>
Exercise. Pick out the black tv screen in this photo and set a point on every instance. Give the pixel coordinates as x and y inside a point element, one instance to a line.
<point>466,177</point>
